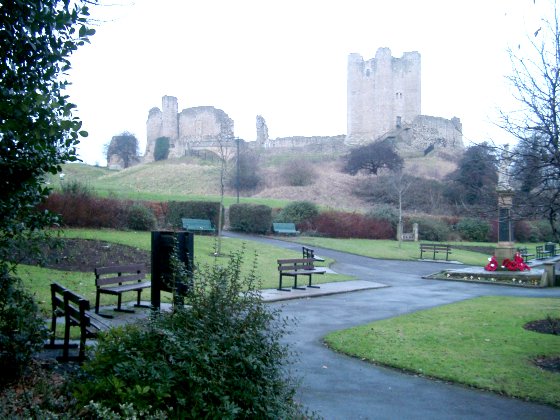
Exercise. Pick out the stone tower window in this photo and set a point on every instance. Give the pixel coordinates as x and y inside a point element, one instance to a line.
<point>399,122</point>
<point>367,72</point>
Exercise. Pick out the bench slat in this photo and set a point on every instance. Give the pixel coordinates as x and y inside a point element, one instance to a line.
<point>131,268</point>
<point>120,279</point>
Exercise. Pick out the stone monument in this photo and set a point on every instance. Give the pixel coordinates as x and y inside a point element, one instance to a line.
<point>505,248</point>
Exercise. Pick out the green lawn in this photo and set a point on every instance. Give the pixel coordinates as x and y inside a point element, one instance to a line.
<point>389,249</point>
<point>479,342</point>
<point>38,279</point>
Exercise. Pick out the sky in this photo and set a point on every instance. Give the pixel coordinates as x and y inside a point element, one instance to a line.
<point>287,61</point>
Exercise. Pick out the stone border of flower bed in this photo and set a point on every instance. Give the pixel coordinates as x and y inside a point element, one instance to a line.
<point>534,278</point>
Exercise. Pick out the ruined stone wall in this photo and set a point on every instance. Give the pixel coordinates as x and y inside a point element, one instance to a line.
<point>192,125</point>
<point>382,93</point>
<point>317,143</point>
<point>433,134</point>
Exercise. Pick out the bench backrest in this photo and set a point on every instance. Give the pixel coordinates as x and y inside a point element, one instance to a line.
<point>308,252</point>
<point>296,264</point>
<point>203,224</point>
<point>435,246</point>
<point>75,308</point>
<point>57,298</point>
<point>284,226</point>
<point>119,274</point>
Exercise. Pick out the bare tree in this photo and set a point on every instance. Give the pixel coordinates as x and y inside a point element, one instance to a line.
<point>226,151</point>
<point>536,125</point>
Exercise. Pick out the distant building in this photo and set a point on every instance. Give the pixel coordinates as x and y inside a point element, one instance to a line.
<point>384,100</point>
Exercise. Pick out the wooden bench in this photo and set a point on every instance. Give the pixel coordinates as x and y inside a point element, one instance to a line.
<point>197,225</point>
<point>116,280</point>
<point>435,249</point>
<point>285,228</point>
<point>542,252</point>
<point>310,253</point>
<point>295,267</point>
<point>76,313</point>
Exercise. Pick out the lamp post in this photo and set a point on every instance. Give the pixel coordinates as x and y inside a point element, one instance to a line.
<point>237,177</point>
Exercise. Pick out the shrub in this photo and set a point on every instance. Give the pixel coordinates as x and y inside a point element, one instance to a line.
<point>161,149</point>
<point>476,230</point>
<point>76,189</point>
<point>351,225</point>
<point>140,218</point>
<point>249,174</point>
<point>219,357</point>
<point>22,330</point>
<point>297,212</point>
<point>87,211</point>
<point>431,229</point>
<point>250,218</point>
<point>176,210</point>
<point>385,212</point>
<point>298,173</point>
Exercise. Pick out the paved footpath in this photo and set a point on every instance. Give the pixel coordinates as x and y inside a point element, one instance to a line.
<point>336,386</point>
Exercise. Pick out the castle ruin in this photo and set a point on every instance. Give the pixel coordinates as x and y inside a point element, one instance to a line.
<point>384,101</point>
<point>190,128</point>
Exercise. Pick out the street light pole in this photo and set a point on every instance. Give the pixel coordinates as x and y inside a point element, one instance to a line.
<point>237,180</point>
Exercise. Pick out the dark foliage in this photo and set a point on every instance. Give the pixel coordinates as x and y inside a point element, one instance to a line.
<point>37,130</point>
<point>176,210</point>
<point>22,330</point>
<point>372,157</point>
<point>87,211</point>
<point>219,357</point>
<point>473,185</point>
<point>37,134</point>
<point>297,212</point>
<point>249,174</point>
<point>250,218</point>
<point>140,217</point>
<point>161,150</point>
<point>351,225</point>
<point>125,145</point>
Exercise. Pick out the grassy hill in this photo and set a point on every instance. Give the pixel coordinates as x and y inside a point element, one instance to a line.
<point>192,178</point>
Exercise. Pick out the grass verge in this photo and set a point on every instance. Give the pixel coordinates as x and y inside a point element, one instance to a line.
<point>38,279</point>
<point>479,342</point>
<point>390,250</point>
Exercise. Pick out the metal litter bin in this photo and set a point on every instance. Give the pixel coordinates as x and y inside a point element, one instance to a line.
<point>164,245</point>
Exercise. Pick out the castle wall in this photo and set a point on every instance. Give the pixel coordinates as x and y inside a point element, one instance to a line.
<point>204,123</point>
<point>382,93</point>
<point>317,143</point>
<point>439,134</point>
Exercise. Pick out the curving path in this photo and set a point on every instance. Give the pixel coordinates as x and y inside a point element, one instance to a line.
<point>336,386</point>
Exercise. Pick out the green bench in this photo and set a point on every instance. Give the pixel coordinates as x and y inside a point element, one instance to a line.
<point>285,228</point>
<point>198,225</point>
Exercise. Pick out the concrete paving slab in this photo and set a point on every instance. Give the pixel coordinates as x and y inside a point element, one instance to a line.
<point>325,289</point>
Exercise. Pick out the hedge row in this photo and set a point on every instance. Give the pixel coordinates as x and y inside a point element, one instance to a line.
<point>90,211</point>
<point>82,209</point>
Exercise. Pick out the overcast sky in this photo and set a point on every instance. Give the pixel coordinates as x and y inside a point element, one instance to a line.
<point>286,60</point>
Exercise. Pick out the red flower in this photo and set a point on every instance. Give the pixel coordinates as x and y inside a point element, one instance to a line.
<point>492,265</point>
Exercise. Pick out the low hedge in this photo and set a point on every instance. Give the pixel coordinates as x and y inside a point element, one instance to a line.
<point>250,218</point>
<point>176,210</point>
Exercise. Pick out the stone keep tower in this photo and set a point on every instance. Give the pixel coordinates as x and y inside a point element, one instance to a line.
<point>383,94</point>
